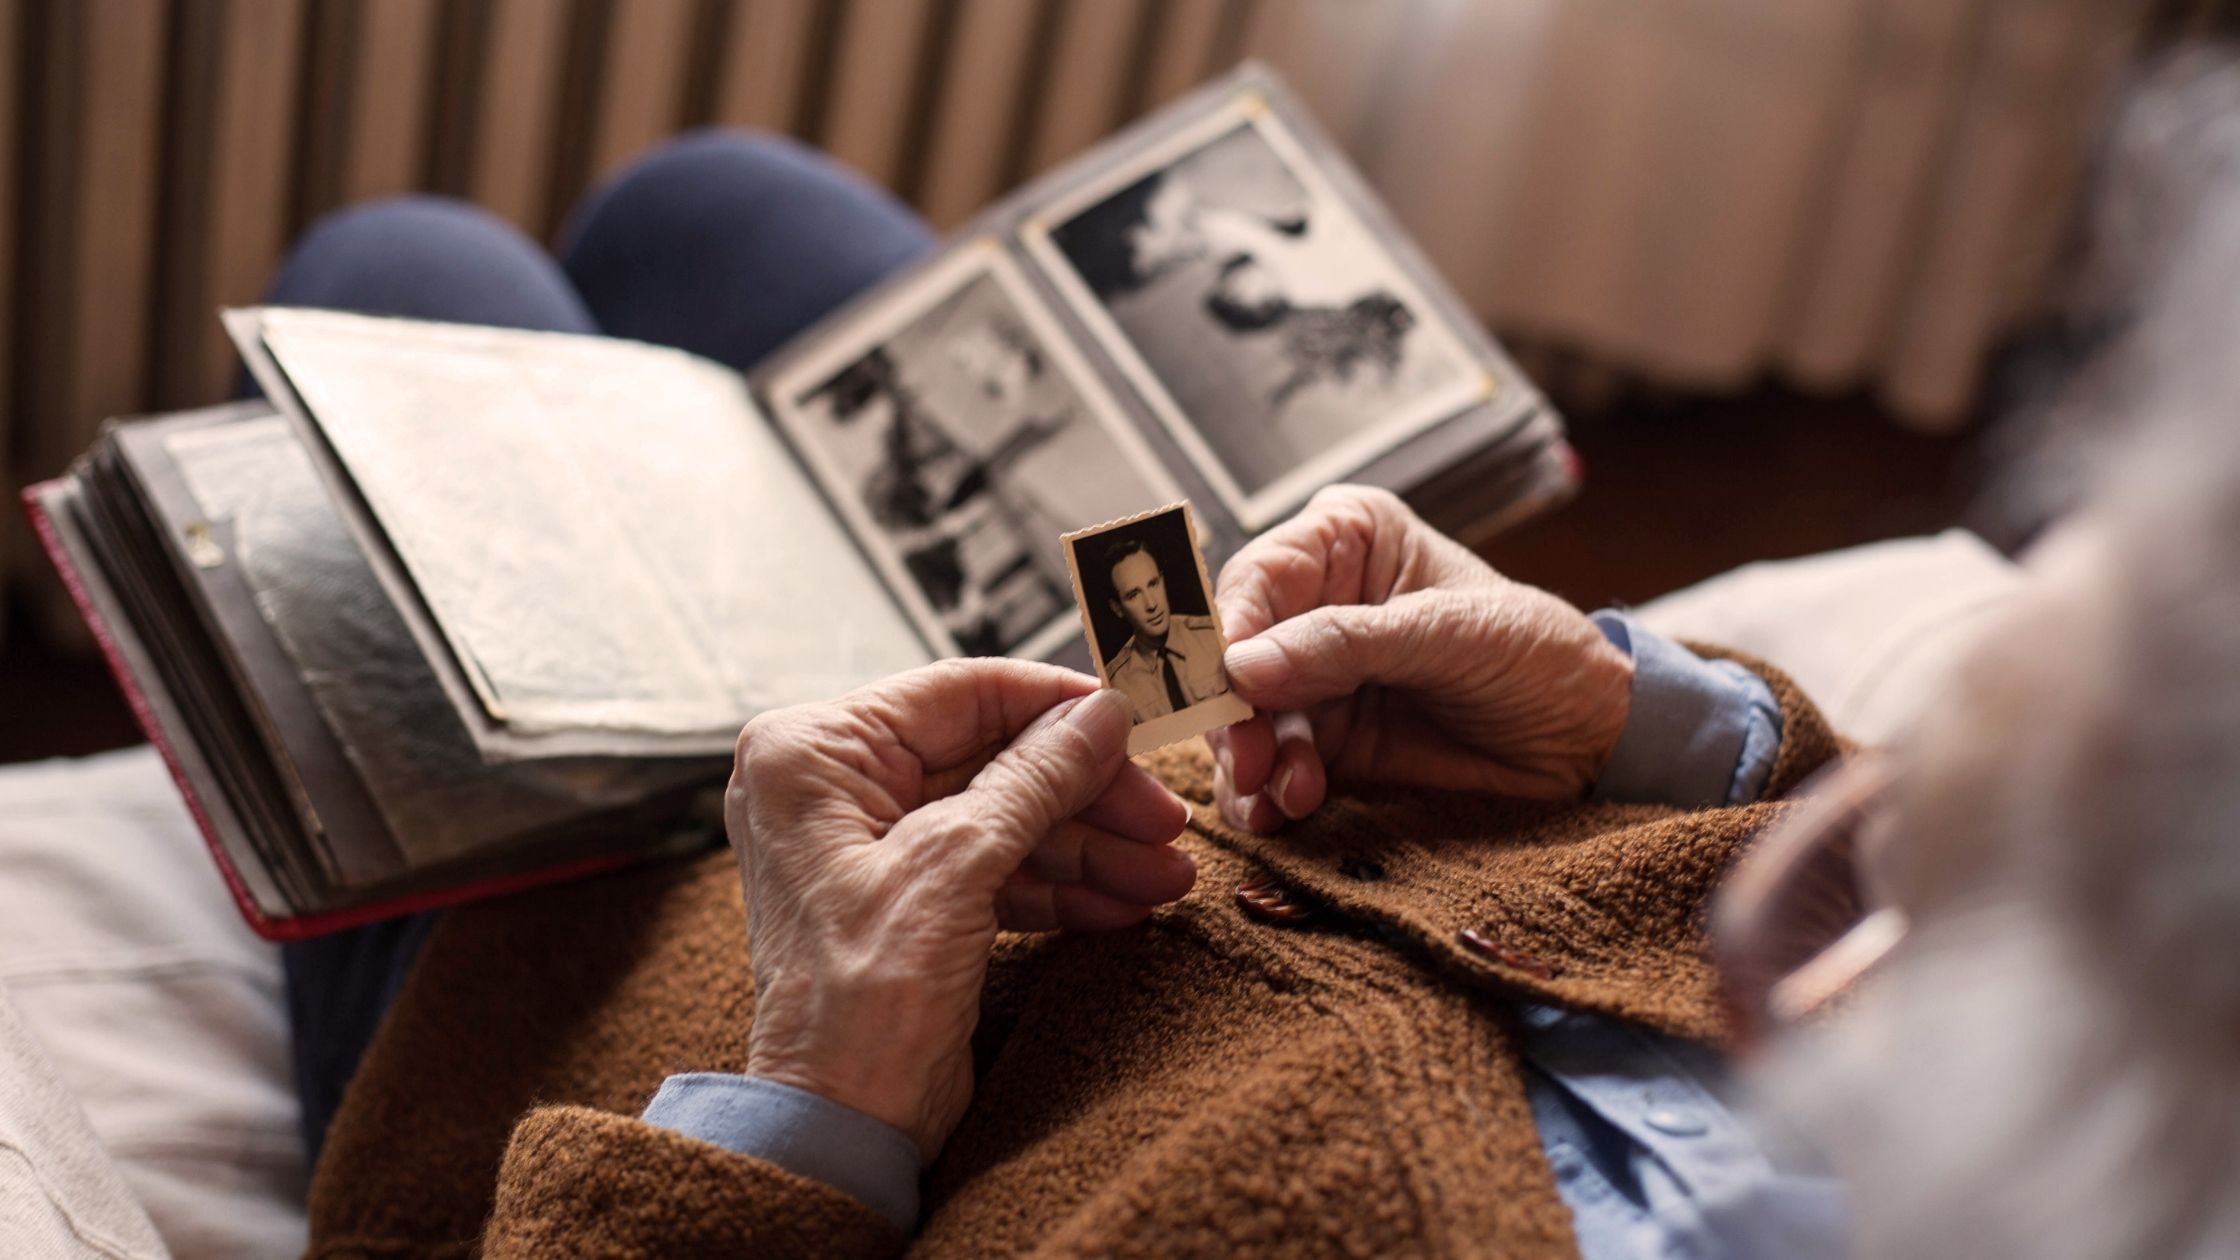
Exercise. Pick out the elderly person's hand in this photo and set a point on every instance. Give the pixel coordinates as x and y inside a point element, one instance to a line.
<point>1380,651</point>
<point>885,836</point>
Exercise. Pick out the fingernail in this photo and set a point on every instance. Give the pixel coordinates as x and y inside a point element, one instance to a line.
<point>1254,664</point>
<point>1224,762</point>
<point>1237,811</point>
<point>1279,791</point>
<point>1188,812</point>
<point>1102,716</point>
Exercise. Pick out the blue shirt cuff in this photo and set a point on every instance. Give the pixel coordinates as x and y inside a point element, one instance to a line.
<point>798,1131</point>
<point>1699,732</point>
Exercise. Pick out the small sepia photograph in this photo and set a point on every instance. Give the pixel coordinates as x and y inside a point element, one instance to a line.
<point>1273,333</point>
<point>960,437</point>
<point>1148,611</point>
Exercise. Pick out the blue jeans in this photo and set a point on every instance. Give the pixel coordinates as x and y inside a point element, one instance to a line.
<point>720,243</point>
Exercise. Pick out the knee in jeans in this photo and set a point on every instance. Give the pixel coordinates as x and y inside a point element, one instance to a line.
<point>735,148</point>
<point>725,243</point>
<point>438,224</point>
<point>430,258</point>
<point>719,180</point>
<point>720,160</point>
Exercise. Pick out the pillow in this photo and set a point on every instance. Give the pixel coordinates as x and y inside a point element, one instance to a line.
<point>155,1005</point>
<point>1869,632</point>
<point>60,1195</point>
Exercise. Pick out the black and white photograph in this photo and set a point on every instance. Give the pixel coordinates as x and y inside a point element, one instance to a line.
<point>1275,335</point>
<point>960,437</point>
<point>1148,611</point>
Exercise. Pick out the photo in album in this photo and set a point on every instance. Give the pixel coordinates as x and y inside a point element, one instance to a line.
<point>1272,332</point>
<point>959,436</point>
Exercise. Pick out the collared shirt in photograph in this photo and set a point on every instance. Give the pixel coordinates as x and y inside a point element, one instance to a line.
<point>1185,669</point>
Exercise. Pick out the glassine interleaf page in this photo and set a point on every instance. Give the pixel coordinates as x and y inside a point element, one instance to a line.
<point>609,534</point>
<point>365,673</point>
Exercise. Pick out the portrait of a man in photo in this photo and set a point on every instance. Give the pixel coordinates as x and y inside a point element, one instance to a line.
<point>1171,660</point>
<point>1147,606</point>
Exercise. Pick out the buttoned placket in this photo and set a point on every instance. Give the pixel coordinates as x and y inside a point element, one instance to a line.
<point>1692,1150</point>
<point>1646,1087</point>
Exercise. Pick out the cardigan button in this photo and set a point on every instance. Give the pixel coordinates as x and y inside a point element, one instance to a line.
<point>1266,900</point>
<point>1509,956</point>
<point>1361,869</point>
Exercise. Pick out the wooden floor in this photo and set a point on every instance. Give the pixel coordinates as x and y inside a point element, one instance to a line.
<point>1677,492</point>
<point>1674,493</point>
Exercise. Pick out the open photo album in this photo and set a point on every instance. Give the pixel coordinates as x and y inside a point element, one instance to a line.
<point>463,609</point>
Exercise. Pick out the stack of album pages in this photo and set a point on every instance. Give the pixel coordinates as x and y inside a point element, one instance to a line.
<point>463,609</point>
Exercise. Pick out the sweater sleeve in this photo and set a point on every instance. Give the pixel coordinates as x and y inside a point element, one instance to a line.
<point>576,1182</point>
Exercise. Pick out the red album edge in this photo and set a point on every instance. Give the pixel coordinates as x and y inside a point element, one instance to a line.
<point>292,927</point>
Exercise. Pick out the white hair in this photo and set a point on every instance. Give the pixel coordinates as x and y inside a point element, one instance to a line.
<point>2049,1066</point>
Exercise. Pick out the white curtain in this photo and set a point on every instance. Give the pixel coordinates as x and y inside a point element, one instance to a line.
<point>1845,193</point>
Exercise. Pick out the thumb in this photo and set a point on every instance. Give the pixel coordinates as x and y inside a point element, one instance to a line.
<point>1334,651</point>
<point>1052,771</point>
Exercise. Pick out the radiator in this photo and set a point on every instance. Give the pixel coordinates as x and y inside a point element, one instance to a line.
<point>1850,193</point>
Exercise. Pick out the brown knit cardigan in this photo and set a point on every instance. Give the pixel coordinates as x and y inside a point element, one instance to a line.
<point>1210,1083</point>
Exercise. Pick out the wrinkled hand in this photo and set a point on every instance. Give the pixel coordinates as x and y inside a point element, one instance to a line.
<point>1377,650</point>
<point>883,838</point>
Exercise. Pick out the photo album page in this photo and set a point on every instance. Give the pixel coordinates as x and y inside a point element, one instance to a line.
<point>1209,308</point>
<point>632,550</point>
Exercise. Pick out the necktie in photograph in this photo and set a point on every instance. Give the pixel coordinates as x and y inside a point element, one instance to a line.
<point>1174,685</point>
